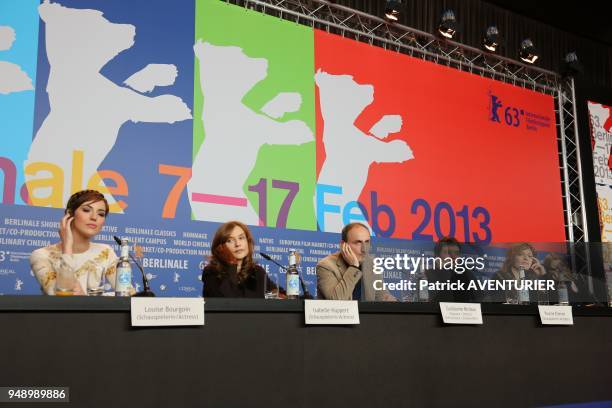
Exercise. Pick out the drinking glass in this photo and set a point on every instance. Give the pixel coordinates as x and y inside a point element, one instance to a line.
<point>512,297</point>
<point>271,285</point>
<point>64,284</point>
<point>96,282</point>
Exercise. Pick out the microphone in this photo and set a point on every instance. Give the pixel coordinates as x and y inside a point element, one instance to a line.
<point>146,292</point>
<point>307,294</point>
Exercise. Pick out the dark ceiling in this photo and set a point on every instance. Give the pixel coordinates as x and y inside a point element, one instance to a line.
<point>590,19</point>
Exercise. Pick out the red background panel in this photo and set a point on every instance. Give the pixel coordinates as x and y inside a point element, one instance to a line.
<point>461,156</point>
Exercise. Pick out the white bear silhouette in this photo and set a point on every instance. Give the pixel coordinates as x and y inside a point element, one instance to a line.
<point>12,77</point>
<point>86,108</point>
<point>7,37</point>
<point>234,133</point>
<point>151,76</point>
<point>349,152</point>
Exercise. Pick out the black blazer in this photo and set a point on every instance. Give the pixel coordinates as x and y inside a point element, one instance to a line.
<point>442,275</point>
<point>253,287</point>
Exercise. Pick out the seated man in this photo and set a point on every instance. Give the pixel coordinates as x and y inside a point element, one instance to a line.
<point>348,274</point>
<point>449,248</point>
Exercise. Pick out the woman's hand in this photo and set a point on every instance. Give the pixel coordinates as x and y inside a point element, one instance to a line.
<point>65,233</point>
<point>537,267</point>
<point>574,287</point>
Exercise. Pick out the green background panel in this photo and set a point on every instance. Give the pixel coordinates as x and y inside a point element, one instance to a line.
<point>289,49</point>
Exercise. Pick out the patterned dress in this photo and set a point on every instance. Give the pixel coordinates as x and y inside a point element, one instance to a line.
<point>87,267</point>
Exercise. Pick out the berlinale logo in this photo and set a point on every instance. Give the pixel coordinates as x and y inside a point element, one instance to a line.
<point>495,105</point>
<point>512,115</point>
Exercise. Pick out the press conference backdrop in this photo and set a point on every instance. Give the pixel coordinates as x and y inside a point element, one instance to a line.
<point>194,113</point>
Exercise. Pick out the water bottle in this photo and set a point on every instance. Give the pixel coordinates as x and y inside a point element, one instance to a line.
<point>123,283</point>
<point>424,291</point>
<point>563,295</point>
<point>408,295</point>
<point>523,293</point>
<point>293,277</point>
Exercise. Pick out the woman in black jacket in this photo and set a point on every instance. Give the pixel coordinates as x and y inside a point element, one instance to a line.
<point>231,271</point>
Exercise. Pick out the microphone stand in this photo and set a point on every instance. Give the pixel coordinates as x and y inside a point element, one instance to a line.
<point>146,292</point>
<point>307,294</point>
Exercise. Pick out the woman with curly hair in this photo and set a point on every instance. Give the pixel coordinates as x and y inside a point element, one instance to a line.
<point>521,263</point>
<point>231,271</point>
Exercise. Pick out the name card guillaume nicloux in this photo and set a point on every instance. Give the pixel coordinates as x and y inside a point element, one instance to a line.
<point>331,311</point>
<point>167,311</point>
<point>461,313</point>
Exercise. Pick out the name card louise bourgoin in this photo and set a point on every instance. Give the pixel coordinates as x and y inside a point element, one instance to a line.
<point>167,311</point>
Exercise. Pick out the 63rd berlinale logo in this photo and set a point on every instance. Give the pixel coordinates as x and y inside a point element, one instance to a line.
<point>514,116</point>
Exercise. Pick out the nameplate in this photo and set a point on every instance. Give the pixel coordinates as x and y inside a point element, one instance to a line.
<point>331,311</point>
<point>167,311</point>
<point>559,315</point>
<point>461,313</point>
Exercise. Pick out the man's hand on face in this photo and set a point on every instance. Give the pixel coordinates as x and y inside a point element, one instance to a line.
<point>349,256</point>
